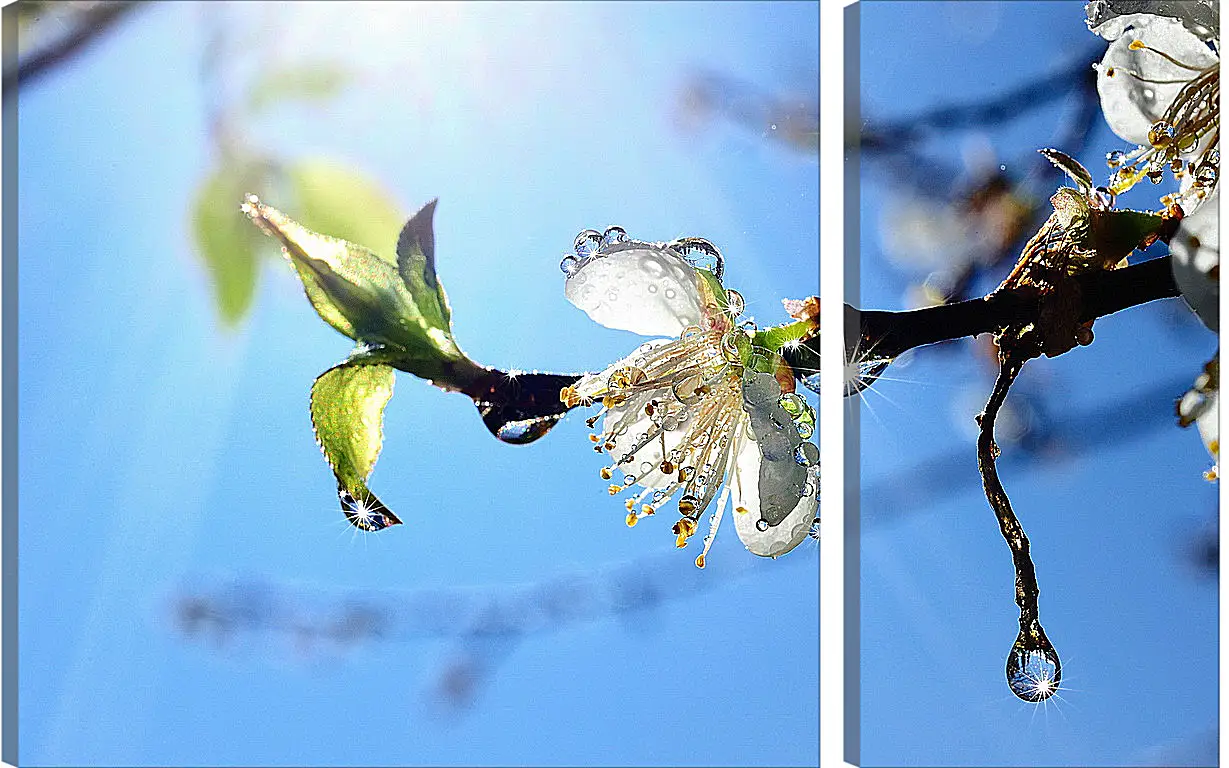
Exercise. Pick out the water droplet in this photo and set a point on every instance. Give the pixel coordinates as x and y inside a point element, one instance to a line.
<point>735,303</point>
<point>701,254</point>
<point>1161,133</point>
<point>811,382</point>
<point>569,265</point>
<point>793,404</point>
<point>1033,674</point>
<point>614,235</point>
<point>1212,157</point>
<point>525,430</point>
<point>864,373</point>
<point>652,288</point>
<point>1176,165</point>
<point>735,346</point>
<point>646,466</point>
<point>814,531</point>
<point>612,295</point>
<point>806,454</point>
<point>761,524</point>
<point>1114,159</point>
<point>1148,94</point>
<point>670,293</point>
<point>1205,176</point>
<point>587,243</point>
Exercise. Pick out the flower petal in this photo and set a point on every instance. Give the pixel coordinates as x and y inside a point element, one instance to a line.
<point>779,494</point>
<point>1109,18</point>
<point>773,541</point>
<point>1196,260</point>
<point>1137,86</point>
<point>639,287</point>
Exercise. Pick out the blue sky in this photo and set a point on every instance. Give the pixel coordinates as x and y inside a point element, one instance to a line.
<point>162,453</point>
<point>1111,515</point>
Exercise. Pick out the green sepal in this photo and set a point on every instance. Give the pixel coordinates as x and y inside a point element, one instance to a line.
<point>347,410</point>
<point>1116,233</point>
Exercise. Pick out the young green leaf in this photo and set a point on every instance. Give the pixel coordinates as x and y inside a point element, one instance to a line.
<point>318,81</point>
<point>352,289</point>
<point>347,408</point>
<point>345,204</point>
<point>229,248</point>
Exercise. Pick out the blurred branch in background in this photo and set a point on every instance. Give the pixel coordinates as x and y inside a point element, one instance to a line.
<point>482,624</point>
<point>957,225</point>
<point>52,32</point>
<point>790,119</point>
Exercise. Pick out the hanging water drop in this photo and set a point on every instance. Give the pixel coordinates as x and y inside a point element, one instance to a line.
<point>569,265</point>
<point>761,524</point>
<point>1205,176</point>
<point>862,374</point>
<point>811,382</point>
<point>1114,159</point>
<point>1034,674</point>
<point>1161,133</point>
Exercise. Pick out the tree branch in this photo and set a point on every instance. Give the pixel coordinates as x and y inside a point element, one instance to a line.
<point>90,24</point>
<point>888,334</point>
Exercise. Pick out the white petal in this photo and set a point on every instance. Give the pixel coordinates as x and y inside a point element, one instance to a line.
<point>1209,426</point>
<point>775,540</point>
<point>1196,252</point>
<point>638,287</point>
<point>1130,106</point>
<point>1109,18</point>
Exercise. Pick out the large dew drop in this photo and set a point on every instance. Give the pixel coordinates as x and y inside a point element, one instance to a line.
<point>1034,674</point>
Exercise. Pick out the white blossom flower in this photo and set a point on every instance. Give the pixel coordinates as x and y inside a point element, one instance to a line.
<point>1195,248</point>
<point>1159,84</point>
<point>698,416</point>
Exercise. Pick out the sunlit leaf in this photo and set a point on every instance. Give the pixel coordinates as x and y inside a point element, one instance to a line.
<point>352,289</point>
<point>317,81</point>
<point>347,408</point>
<point>343,203</point>
<point>228,246</point>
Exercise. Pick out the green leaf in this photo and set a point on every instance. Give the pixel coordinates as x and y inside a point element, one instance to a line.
<point>229,248</point>
<point>353,289</point>
<point>318,81</point>
<point>347,408</point>
<point>1070,166</point>
<point>773,339</point>
<point>343,203</point>
<point>416,264</point>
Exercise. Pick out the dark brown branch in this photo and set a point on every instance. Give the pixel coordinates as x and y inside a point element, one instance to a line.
<point>888,334</point>
<point>89,25</point>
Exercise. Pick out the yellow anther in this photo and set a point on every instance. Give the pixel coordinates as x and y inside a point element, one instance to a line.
<point>684,528</point>
<point>593,438</point>
<point>740,510</point>
<point>605,473</point>
<point>632,520</point>
<point>615,490</point>
<point>1137,45</point>
<point>680,541</point>
<point>700,560</point>
<point>648,509</point>
<point>630,504</point>
<point>667,468</point>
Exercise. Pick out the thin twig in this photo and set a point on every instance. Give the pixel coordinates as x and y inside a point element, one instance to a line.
<point>90,24</point>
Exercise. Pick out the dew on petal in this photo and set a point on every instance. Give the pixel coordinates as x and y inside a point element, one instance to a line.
<point>735,303</point>
<point>587,243</point>
<point>614,235</point>
<point>806,454</point>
